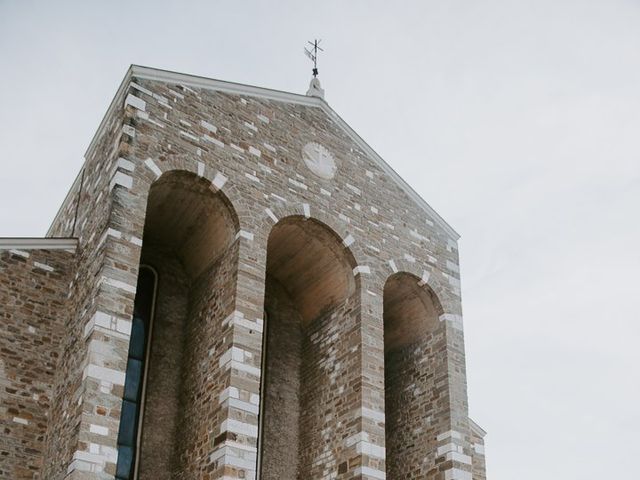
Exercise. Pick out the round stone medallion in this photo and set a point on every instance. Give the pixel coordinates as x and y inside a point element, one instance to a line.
<point>319,160</point>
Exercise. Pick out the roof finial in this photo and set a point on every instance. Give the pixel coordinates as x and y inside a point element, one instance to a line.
<point>315,90</point>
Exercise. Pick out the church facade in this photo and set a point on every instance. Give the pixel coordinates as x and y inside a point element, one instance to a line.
<point>235,287</point>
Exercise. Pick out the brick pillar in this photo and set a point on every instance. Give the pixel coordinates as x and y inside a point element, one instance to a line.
<point>366,448</point>
<point>106,334</point>
<point>454,453</point>
<point>235,448</point>
<point>477,440</point>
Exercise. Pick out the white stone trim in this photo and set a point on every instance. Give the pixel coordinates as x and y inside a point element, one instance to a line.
<point>348,240</point>
<point>43,266</point>
<point>364,446</point>
<point>361,269</point>
<point>425,278</point>
<point>372,414</point>
<point>151,165</point>
<point>219,180</point>
<point>27,243</point>
<point>112,282</point>
<point>99,430</point>
<point>370,472</point>
<point>244,234</point>
<point>125,164</point>
<point>135,102</point>
<point>272,215</point>
<point>237,455</point>
<point>449,434</point>
<point>110,375</point>
<point>457,474</point>
<point>121,179</point>
<point>454,320</point>
<point>241,428</point>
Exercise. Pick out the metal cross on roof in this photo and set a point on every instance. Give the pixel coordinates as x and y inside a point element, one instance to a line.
<point>313,55</point>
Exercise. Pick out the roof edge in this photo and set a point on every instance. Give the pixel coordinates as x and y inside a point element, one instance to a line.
<point>64,201</point>
<point>168,76</point>
<point>388,169</point>
<point>477,429</point>
<point>37,243</point>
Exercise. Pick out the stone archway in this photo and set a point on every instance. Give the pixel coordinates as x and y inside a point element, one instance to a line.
<point>413,344</point>
<point>189,242</point>
<point>311,297</point>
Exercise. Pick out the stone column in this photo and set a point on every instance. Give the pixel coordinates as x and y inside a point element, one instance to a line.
<point>367,446</point>
<point>106,333</point>
<point>235,449</point>
<point>454,455</point>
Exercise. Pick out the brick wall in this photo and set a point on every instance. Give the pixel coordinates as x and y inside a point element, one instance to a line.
<point>33,296</point>
<point>281,425</point>
<point>247,150</point>
<point>414,393</point>
<point>206,393</point>
<point>477,440</point>
<point>162,409</point>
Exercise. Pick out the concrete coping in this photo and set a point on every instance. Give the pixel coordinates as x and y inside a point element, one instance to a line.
<point>477,429</point>
<point>37,243</point>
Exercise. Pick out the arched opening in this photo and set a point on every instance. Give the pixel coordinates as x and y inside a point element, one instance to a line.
<point>189,241</point>
<point>411,345</point>
<point>310,307</point>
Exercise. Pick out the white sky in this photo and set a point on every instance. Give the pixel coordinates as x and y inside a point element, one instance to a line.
<point>519,121</point>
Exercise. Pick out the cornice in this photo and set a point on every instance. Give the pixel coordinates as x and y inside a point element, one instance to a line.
<point>33,243</point>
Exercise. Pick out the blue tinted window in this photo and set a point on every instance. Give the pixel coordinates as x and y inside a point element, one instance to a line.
<point>132,396</point>
<point>128,424</point>
<point>133,380</point>
<point>137,341</point>
<point>124,469</point>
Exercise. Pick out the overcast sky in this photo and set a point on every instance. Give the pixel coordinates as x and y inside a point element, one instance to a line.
<point>518,121</point>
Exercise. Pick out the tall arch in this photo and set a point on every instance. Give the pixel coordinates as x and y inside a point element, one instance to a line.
<point>189,241</point>
<point>413,340</point>
<point>311,300</point>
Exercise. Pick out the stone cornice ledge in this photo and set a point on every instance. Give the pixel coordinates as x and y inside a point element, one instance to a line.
<point>31,243</point>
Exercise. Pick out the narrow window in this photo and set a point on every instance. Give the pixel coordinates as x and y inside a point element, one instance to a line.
<point>133,398</point>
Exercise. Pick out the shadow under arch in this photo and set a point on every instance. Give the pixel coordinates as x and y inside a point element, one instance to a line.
<point>190,241</point>
<point>413,348</point>
<point>186,214</point>
<point>311,300</point>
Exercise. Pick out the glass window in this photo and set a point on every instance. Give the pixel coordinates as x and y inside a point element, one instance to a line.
<point>134,380</point>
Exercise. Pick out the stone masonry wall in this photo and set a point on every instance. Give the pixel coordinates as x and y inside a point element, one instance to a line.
<point>33,296</point>
<point>330,366</point>
<point>72,441</point>
<point>162,409</point>
<point>281,427</point>
<point>206,389</point>
<point>249,149</point>
<point>415,384</point>
<point>477,439</point>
